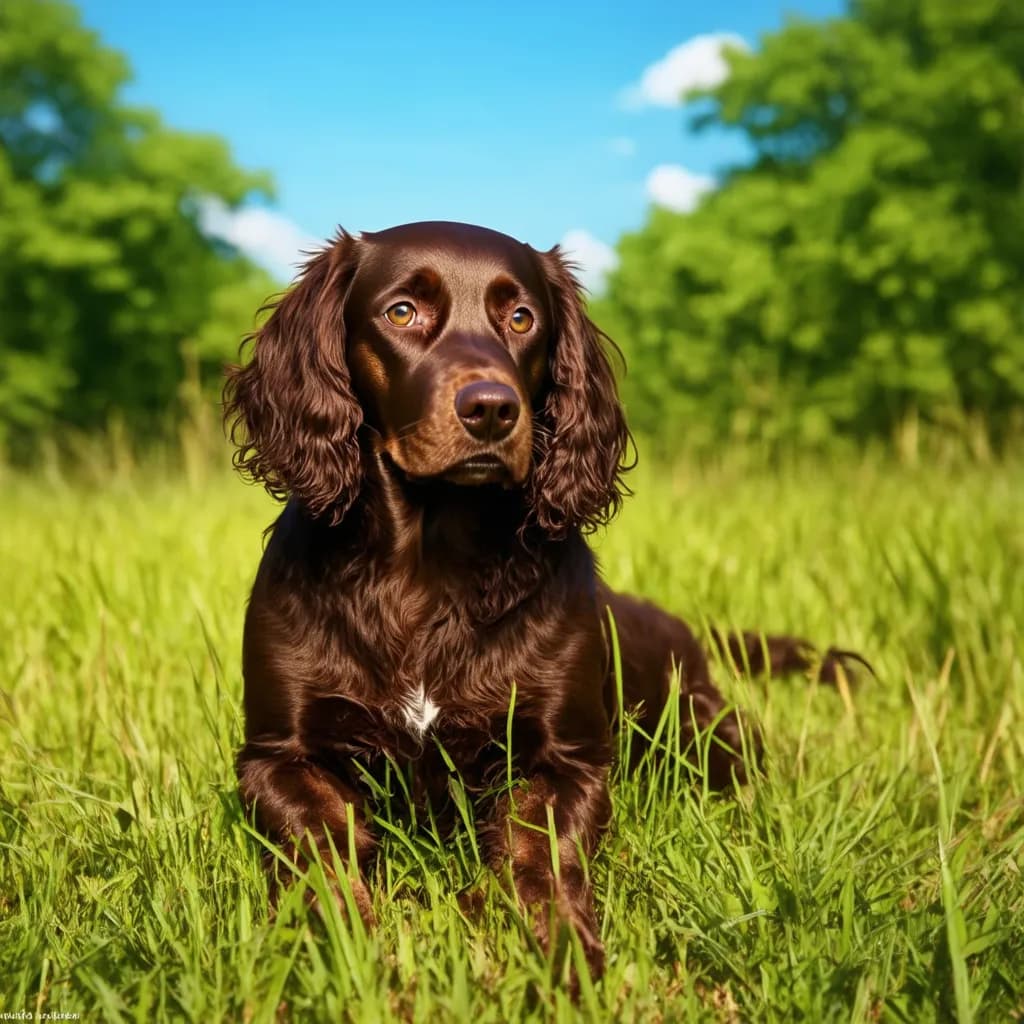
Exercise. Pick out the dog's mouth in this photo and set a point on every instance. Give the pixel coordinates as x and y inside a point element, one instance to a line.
<point>478,470</point>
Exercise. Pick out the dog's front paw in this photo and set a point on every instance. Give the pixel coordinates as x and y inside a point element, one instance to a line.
<point>554,912</point>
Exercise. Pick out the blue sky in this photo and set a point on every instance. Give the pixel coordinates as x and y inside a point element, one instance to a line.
<point>527,117</point>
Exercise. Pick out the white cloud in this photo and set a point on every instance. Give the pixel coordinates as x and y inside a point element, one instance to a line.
<point>595,259</point>
<point>676,188</point>
<point>696,64</point>
<point>621,145</point>
<point>267,238</point>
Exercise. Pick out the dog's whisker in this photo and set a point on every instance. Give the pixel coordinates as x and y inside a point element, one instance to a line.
<point>407,430</point>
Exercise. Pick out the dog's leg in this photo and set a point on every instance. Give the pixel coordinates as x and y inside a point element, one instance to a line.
<point>548,878</point>
<point>703,710</point>
<point>653,645</point>
<point>297,804</point>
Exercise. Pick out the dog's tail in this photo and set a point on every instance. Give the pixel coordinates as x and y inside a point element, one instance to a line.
<point>767,655</point>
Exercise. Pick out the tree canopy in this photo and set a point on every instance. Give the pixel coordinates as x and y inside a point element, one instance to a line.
<point>107,282</point>
<point>867,264</point>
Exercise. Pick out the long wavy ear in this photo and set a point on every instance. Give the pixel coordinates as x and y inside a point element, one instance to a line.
<point>582,436</point>
<point>291,409</point>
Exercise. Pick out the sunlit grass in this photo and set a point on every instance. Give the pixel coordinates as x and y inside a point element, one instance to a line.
<point>874,872</point>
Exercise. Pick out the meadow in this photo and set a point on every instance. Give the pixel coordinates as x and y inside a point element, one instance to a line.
<point>872,873</point>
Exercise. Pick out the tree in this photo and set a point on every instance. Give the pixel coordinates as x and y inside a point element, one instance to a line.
<point>868,264</point>
<point>104,271</point>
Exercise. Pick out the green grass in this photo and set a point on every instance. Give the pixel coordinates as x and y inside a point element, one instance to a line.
<point>873,873</point>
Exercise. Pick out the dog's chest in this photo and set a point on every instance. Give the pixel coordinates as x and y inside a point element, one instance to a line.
<point>418,712</point>
<point>422,718</point>
<point>434,683</point>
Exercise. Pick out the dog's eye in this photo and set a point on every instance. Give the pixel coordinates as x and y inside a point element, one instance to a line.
<point>401,314</point>
<point>522,320</point>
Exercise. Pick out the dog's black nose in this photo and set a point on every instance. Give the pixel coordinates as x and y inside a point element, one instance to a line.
<point>487,409</point>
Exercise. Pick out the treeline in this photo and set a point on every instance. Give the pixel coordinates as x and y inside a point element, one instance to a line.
<point>110,294</point>
<point>866,268</point>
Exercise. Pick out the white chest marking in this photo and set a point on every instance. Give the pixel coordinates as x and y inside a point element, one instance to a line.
<point>419,711</point>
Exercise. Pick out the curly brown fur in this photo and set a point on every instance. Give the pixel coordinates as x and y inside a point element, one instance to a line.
<point>291,409</point>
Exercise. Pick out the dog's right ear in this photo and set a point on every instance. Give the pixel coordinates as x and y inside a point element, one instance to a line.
<point>291,410</point>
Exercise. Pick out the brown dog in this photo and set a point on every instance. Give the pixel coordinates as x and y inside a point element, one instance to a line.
<point>440,411</point>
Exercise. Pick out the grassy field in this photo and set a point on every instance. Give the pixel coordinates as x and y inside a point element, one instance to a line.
<point>874,873</point>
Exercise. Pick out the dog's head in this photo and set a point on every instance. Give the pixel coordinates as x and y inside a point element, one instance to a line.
<point>464,354</point>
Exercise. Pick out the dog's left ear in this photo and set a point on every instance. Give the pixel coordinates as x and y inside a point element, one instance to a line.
<point>582,436</point>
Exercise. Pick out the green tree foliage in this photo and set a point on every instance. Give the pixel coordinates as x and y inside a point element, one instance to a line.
<point>107,283</point>
<point>868,264</point>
